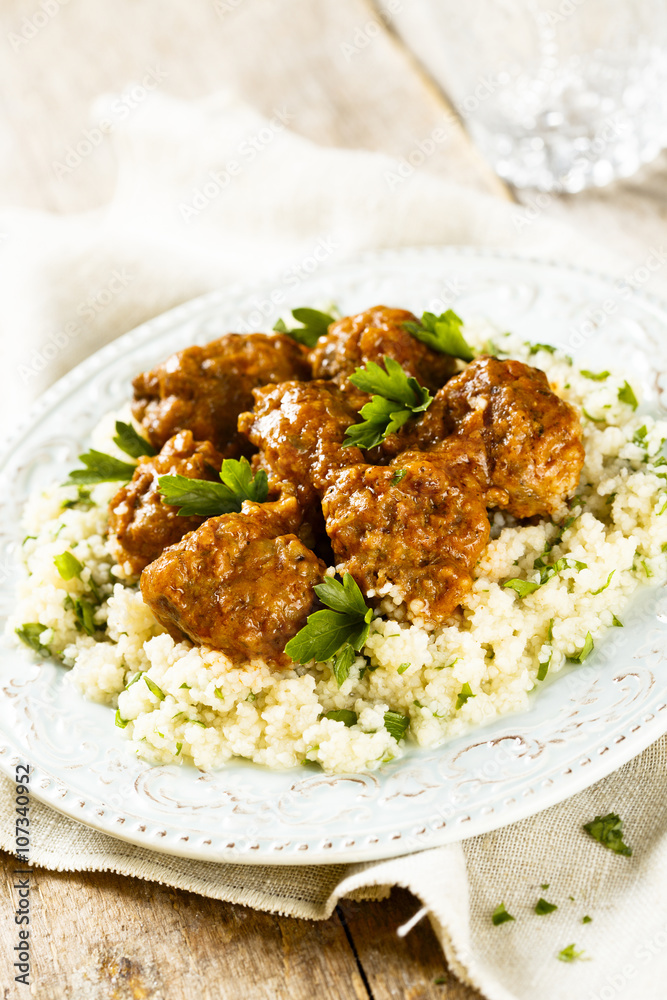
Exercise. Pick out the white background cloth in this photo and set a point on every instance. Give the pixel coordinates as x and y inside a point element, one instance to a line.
<point>210,194</point>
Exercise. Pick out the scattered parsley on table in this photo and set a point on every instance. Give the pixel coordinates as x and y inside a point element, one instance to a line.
<point>608,831</point>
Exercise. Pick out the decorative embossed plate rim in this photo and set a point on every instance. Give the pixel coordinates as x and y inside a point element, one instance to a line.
<point>584,724</point>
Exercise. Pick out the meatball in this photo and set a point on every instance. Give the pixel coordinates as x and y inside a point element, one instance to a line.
<point>203,389</point>
<point>411,532</point>
<point>370,336</point>
<point>530,437</point>
<point>141,525</point>
<point>242,583</point>
<point>299,428</point>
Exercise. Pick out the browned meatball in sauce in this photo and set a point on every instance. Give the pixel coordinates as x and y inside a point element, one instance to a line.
<point>419,531</point>
<point>203,389</point>
<point>529,438</point>
<point>299,428</point>
<point>242,583</point>
<point>371,336</point>
<point>141,526</point>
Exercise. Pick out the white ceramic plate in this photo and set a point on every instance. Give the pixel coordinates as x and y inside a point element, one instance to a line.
<point>580,727</point>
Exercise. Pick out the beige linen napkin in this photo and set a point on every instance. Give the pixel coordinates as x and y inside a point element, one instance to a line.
<point>194,210</point>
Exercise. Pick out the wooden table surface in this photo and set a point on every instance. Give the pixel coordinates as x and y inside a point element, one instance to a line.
<point>100,935</point>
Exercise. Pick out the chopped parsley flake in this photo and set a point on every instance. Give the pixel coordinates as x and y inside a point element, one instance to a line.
<point>525,587</point>
<point>344,715</point>
<point>522,587</point>
<point>608,831</point>
<point>398,476</point>
<point>208,499</point>
<point>594,593</point>
<point>82,501</point>
<point>131,443</point>
<point>464,694</point>
<point>587,920</point>
<point>68,565</point>
<point>543,667</point>
<point>84,613</point>
<point>154,689</point>
<point>402,668</point>
<point>100,468</point>
<point>595,376</point>
<point>336,634</point>
<point>542,907</point>
<point>446,666</point>
<point>589,416</point>
<point>626,395</point>
<point>120,721</point>
<point>586,649</point>
<point>30,633</point>
<point>314,324</point>
<point>443,334</point>
<point>534,348</point>
<point>569,954</point>
<point>396,724</point>
<point>396,398</point>
<point>500,915</point>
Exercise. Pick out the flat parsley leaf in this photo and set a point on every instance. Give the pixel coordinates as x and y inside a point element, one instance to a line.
<point>30,634</point>
<point>442,333</point>
<point>157,691</point>
<point>397,397</point>
<point>100,468</point>
<point>500,915</point>
<point>396,724</point>
<point>525,587</point>
<point>336,634</point>
<point>206,499</point>
<point>84,612</point>
<point>132,443</point>
<point>315,324</point>
<point>608,831</point>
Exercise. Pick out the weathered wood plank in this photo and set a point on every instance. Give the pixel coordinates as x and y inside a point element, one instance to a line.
<point>409,968</point>
<point>339,73</point>
<point>98,936</point>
